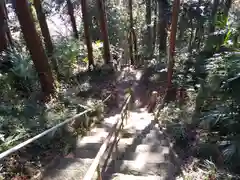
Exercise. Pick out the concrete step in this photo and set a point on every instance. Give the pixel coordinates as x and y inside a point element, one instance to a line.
<point>126,141</point>
<point>152,148</point>
<point>155,138</point>
<point>68,169</point>
<point>76,168</point>
<point>119,176</point>
<point>141,168</point>
<point>90,150</point>
<point>97,130</point>
<point>148,157</point>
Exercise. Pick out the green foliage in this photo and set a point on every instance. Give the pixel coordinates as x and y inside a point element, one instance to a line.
<point>23,68</point>
<point>212,64</point>
<point>72,57</point>
<point>97,53</point>
<point>21,76</point>
<point>66,53</point>
<point>220,111</point>
<point>117,22</point>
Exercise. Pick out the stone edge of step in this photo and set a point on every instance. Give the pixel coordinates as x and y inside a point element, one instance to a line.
<point>120,176</point>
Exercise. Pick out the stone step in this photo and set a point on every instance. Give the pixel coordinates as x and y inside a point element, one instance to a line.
<point>126,141</point>
<point>68,169</point>
<point>156,137</point>
<point>97,138</point>
<point>87,151</point>
<point>152,148</point>
<point>96,135</point>
<point>119,176</point>
<point>148,157</point>
<point>98,129</point>
<point>90,150</point>
<point>76,168</point>
<point>141,168</point>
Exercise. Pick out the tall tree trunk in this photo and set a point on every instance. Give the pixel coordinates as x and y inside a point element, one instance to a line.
<point>213,15</point>
<point>3,28</point>
<point>9,35</point>
<point>104,30</point>
<point>35,47</point>
<point>45,32</point>
<point>162,26</point>
<point>44,27</point>
<point>154,31</point>
<point>135,45</point>
<point>72,18</point>
<point>130,41</point>
<point>132,36</point>
<point>87,33</point>
<point>149,27</point>
<point>175,12</point>
<point>228,4</point>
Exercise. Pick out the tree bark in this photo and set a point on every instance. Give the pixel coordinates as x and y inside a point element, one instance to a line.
<point>104,31</point>
<point>175,12</point>
<point>130,39</point>
<point>72,18</point>
<point>9,35</point>
<point>213,14</point>
<point>45,32</point>
<point>162,26</point>
<point>154,32</point>
<point>44,27</point>
<point>132,36</point>
<point>130,43</point>
<point>3,28</point>
<point>35,47</point>
<point>149,27</point>
<point>88,37</point>
<point>228,4</point>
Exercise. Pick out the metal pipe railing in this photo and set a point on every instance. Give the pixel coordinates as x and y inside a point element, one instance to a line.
<point>31,140</point>
<point>21,145</point>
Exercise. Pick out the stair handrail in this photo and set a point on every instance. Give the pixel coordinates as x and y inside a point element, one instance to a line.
<point>52,129</point>
<point>113,134</point>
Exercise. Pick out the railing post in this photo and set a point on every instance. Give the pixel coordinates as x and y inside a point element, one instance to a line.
<point>116,152</point>
<point>99,173</point>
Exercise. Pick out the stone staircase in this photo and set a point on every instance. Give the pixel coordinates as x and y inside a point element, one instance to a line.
<point>143,150</point>
<point>143,153</point>
<point>147,156</point>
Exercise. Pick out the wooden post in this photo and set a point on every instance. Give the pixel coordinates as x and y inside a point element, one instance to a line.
<point>153,101</point>
<point>116,148</point>
<point>99,173</point>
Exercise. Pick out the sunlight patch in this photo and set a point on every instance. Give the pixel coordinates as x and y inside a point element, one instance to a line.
<point>138,75</point>
<point>140,162</point>
<point>97,138</point>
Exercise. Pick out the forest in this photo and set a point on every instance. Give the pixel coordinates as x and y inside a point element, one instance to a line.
<point>61,57</point>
